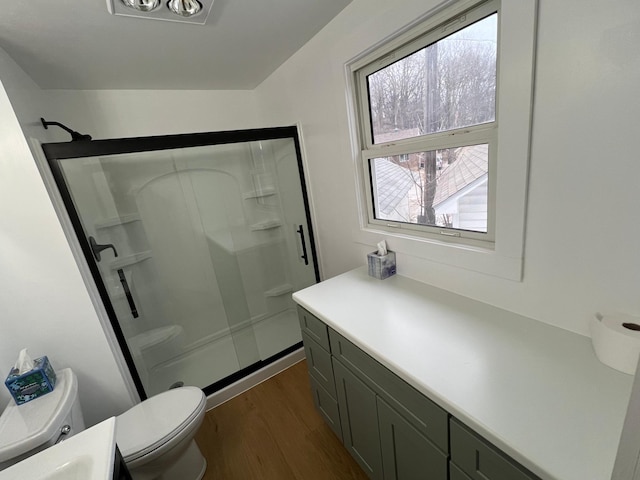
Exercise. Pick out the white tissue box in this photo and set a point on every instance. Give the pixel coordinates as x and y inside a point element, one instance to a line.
<point>382,266</point>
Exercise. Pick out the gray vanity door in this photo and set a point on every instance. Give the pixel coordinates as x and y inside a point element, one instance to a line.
<point>481,460</point>
<point>359,419</point>
<point>327,406</point>
<point>406,454</point>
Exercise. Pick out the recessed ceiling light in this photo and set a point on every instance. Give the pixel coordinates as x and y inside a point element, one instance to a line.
<point>142,5</point>
<point>184,8</point>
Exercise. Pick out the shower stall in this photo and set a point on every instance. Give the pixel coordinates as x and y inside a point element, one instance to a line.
<point>195,243</point>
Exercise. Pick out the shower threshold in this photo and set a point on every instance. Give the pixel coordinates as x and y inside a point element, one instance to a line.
<point>275,337</point>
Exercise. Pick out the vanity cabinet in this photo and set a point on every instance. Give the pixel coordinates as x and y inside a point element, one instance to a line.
<point>359,419</point>
<point>406,453</point>
<point>393,436</point>
<point>392,430</point>
<point>315,337</point>
<point>473,458</point>
<point>430,420</point>
<point>120,471</point>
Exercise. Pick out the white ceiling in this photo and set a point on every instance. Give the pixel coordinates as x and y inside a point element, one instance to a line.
<point>77,44</point>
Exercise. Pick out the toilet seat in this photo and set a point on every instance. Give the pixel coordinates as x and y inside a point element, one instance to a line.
<point>161,420</point>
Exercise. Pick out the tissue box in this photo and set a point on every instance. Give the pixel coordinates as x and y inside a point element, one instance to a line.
<point>32,384</point>
<point>382,266</point>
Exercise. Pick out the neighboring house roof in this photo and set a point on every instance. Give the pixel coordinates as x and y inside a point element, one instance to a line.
<point>471,165</point>
<point>393,183</point>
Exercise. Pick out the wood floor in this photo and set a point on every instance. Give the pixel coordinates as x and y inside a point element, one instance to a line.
<point>273,432</point>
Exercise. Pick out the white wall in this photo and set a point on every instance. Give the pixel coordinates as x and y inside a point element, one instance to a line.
<point>581,250</point>
<point>45,306</point>
<point>133,113</point>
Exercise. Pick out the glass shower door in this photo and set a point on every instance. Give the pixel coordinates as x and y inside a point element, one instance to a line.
<point>195,250</point>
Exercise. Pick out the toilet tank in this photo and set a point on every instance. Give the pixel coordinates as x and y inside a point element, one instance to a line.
<point>31,427</point>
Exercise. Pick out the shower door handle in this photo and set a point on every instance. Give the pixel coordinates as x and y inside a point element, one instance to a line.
<point>304,245</point>
<point>127,292</point>
<point>96,248</point>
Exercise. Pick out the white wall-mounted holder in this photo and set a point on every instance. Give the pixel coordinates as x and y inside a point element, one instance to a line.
<point>162,12</point>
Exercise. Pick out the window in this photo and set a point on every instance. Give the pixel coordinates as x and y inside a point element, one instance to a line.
<point>439,136</point>
<point>429,129</point>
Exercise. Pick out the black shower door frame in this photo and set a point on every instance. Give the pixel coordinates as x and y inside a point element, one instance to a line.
<point>56,152</point>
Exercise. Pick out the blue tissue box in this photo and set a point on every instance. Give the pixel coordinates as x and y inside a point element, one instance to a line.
<point>32,384</point>
<point>382,266</point>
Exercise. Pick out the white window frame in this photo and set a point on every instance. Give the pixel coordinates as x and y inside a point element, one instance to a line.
<point>485,133</point>
<point>501,252</point>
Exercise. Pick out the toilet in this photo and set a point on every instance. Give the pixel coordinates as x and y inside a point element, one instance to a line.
<point>155,437</point>
<point>29,428</point>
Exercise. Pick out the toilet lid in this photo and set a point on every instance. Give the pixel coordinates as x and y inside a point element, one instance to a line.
<point>37,422</point>
<point>150,424</point>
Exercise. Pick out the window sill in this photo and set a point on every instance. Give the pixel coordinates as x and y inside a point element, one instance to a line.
<point>489,261</point>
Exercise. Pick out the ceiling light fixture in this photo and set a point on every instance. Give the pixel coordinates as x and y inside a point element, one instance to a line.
<point>181,11</point>
<point>142,5</point>
<point>184,8</point>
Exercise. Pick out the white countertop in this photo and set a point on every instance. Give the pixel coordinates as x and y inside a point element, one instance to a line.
<point>537,392</point>
<point>88,455</point>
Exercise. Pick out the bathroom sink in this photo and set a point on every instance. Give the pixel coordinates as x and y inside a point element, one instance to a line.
<point>87,455</point>
<point>76,469</point>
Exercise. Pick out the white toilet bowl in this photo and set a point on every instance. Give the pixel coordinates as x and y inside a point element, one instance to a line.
<point>155,437</point>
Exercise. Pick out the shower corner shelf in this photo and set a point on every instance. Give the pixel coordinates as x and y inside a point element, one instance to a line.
<point>130,260</point>
<point>266,225</point>
<point>115,221</point>
<point>279,290</point>
<point>265,192</point>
